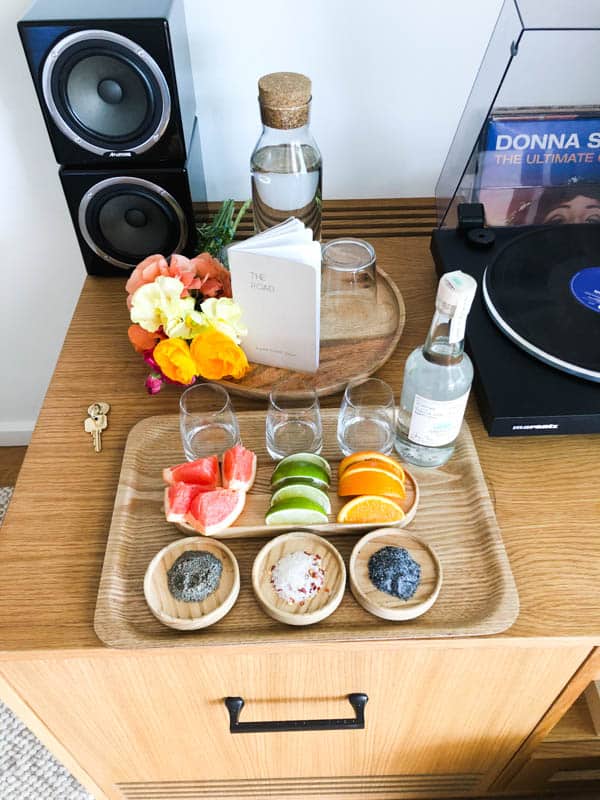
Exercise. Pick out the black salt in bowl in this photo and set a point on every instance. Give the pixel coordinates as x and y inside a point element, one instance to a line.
<point>194,576</point>
<point>394,574</point>
<point>192,583</point>
<point>394,571</point>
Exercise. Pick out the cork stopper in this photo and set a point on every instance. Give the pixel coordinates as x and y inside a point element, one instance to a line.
<point>284,99</point>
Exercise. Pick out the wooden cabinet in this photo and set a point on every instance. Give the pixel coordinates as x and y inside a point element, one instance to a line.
<point>445,718</point>
<point>562,756</point>
<point>441,721</point>
<point>568,759</point>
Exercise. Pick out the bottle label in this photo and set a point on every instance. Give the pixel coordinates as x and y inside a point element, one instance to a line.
<point>435,423</point>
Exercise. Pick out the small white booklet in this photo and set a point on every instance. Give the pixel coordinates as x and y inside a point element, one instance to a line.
<point>276,279</point>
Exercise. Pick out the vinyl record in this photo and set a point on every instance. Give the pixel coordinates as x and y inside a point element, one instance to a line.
<point>543,292</point>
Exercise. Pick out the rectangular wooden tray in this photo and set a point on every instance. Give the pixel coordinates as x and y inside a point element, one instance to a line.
<point>455,516</point>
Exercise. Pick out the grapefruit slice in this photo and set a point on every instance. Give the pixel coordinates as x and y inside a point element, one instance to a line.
<point>384,462</point>
<point>204,471</point>
<point>212,512</point>
<point>239,468</point>
<point>178,499</point>
<point>369,480</point>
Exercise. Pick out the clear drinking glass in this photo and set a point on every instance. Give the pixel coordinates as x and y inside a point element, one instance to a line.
<point>293,425</point>
<point>207,421</point>
<point>348,286</point>
<point>349,266</point>
<point>367,417</point>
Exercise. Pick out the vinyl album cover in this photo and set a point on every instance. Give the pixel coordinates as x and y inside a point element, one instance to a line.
<point>540,169</point>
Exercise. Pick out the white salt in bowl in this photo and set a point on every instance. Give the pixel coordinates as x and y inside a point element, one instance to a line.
<point>321,604</point>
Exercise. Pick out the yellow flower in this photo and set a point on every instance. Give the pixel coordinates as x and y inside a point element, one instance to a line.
<point>225,315</point>
<point>160,303</point>
<point>216,355</point>
<point>175,361</point>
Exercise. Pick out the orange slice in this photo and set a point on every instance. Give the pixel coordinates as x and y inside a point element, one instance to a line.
<point>368,480</point>
<point>374,463</point>
<point>384,462</point>
<point>370,509</point>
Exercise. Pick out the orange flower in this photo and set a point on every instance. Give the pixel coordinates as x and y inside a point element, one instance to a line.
<point>143,340</point>
<point>216,356</point>
<point>214,279</point>
<point>175,361</point>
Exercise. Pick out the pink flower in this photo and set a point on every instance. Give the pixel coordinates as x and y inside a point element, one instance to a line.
<point>152,267</point>
<point>157,374</point>
<point>153,383</point>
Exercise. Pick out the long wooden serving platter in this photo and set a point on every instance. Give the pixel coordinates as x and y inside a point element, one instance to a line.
<point>455,517</point>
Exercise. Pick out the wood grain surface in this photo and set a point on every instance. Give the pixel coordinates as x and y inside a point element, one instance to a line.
<point>354,345</point>
<point>545,490</point>
<point>455,517</point>
<point>158,715</point>
<point>363,219</point>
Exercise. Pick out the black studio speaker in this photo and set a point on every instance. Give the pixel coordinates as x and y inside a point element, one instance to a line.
<point>114,81</point>
<point>113,78</point>
<point>120,217</point>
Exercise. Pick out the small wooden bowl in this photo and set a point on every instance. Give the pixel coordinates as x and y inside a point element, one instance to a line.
<point>320,605</point>
<point>386,605</point>
<point>191,616</point>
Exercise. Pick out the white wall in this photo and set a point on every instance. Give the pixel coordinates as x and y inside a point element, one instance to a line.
<point>390,79</point>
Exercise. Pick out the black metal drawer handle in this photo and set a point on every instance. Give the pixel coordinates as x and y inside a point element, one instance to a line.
<point>358,702</point>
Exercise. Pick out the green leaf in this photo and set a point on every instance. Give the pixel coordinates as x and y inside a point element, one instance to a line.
<point>213,236</point>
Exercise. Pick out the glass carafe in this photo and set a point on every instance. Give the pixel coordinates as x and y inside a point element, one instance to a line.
<point>286,165</point>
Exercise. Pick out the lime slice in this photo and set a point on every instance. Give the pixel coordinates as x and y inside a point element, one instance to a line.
<point>311,458</point>
<point>302,490</point>
<point>300,469</point>
<point>296,511</point>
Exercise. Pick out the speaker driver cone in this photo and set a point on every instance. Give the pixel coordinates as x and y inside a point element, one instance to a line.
<point>106,93</point>
<point>125,219</point>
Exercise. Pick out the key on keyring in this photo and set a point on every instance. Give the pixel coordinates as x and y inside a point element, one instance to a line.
<point>96,423</point>
<point>91,426</point>
<point>98,408</point>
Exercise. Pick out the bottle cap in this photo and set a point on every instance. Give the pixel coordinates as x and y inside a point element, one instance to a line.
<point>284,99</point>
<point>455,294</point>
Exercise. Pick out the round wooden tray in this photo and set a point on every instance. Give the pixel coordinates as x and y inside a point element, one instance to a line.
<point>385,605</point>
<point>354,345</point>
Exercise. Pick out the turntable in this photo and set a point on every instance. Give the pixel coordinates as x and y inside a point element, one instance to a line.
<point>515,199</point>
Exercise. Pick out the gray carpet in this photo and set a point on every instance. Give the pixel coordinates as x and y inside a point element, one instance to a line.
<point>27,770</point>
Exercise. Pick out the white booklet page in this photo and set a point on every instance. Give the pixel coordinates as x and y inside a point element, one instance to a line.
<point>276,278</point>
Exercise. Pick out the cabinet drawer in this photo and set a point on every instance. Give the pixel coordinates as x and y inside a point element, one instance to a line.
<point>437,722</point>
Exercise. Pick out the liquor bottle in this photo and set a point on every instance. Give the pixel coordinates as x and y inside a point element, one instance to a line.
<point>286,163</point>
<point>437,379</point>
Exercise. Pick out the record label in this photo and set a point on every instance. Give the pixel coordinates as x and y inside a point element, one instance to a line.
<point>585,286</point>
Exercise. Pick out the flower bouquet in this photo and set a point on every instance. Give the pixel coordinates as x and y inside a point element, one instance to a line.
<point>184,320</point>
